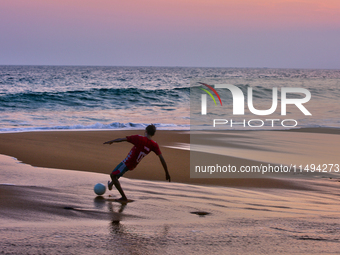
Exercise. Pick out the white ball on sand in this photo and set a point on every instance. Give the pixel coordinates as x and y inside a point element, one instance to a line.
<point>99,189</point>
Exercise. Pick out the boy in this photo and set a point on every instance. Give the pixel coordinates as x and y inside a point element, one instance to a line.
<point>142,146</point>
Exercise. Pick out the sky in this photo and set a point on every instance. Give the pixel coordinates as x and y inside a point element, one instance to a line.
<point>194,33</point>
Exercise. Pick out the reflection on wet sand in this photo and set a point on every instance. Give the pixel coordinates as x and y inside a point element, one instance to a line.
<point>165,218</point>
<point>127,239</point>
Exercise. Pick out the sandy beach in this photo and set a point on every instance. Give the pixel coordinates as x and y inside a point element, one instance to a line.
<point>245,99</point>
<point>45,209</point>
<point>84,151</point>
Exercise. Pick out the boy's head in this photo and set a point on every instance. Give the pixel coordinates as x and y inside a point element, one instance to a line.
<point>150,130</point>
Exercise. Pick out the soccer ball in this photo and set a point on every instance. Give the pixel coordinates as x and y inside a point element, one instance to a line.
<point>99,189</point>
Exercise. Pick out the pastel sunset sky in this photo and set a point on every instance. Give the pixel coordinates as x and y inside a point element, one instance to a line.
<point>204,33</point>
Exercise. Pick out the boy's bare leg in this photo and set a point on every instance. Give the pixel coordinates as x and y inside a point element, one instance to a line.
<point>118,187</point>
<point>110,183</point>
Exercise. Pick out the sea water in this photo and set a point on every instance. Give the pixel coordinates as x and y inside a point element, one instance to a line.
<point>91,97</point>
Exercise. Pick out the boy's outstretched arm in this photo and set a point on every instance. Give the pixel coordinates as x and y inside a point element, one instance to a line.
<point>116,141</point>
<point>167,175</point>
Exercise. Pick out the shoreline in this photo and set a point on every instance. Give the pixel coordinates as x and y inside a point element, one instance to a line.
<point>325,130</point>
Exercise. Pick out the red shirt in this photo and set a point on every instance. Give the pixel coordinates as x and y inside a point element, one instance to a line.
<point>142,147</point>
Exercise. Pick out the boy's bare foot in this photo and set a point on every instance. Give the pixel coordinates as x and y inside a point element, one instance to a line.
<point>122,199</point>
<point>109,185</point>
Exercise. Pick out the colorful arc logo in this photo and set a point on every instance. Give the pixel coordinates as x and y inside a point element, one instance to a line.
<point>208,92</point>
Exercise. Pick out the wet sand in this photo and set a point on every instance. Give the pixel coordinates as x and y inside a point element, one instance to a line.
<point>54,211</point>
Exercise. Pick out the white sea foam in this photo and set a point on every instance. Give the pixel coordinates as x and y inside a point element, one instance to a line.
<point>38,98</point>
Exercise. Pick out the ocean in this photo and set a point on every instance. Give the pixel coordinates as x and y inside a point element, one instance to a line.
<point>35,98</point>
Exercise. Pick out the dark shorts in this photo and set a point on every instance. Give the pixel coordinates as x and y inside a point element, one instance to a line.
<point>120,170</point>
